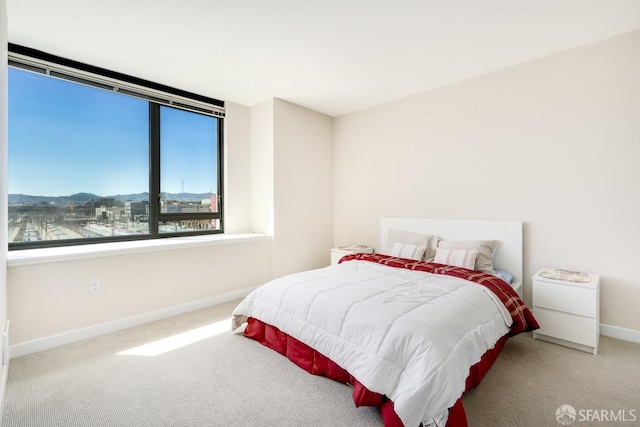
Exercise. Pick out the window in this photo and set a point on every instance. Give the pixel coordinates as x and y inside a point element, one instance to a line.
<point>97,156</point>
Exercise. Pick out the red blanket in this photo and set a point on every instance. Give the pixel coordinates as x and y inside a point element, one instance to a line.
<point>317,364</point>
<point>523,319</point>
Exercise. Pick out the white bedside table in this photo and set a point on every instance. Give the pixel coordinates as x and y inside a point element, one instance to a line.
<point>337,253</point>
<point>567,307</point>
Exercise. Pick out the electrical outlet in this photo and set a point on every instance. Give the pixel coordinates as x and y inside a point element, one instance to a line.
<point>95,287</point>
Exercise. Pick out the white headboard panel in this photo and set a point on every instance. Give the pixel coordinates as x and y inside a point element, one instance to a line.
<point>508,255</point>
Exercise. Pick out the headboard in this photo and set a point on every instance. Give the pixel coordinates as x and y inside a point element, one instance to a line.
<point>508,255</point>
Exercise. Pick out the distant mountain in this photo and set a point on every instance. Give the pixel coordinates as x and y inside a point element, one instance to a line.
<point>81,198</point>
<point>138,197</point>
<point>24,199</point>
<point>142,197</point>
<point>84,197</point>
<point>185,197</point>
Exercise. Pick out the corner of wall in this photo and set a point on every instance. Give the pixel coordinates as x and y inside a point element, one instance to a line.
<point>261,159</point>
<point>303,187</point>
<point>237,170</point>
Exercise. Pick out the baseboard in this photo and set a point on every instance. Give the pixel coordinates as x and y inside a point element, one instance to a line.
<point>47,343</point>
<point>620,333</point>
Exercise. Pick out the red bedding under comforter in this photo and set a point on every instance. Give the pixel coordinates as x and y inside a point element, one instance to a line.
<point>317,364</point>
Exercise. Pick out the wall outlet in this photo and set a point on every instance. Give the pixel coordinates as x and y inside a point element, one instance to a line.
<point>95,287</point>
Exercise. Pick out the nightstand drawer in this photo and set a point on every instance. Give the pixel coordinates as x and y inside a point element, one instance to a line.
<point>569,327</point>
<point>567,298</point>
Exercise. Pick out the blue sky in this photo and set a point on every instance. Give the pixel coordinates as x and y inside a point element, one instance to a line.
<point>65,138</point>
<point>187,152</point>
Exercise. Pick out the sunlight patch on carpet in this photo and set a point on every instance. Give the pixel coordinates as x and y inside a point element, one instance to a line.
<point>183,339</point>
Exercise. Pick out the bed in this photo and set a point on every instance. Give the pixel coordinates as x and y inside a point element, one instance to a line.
<point>412,327</point>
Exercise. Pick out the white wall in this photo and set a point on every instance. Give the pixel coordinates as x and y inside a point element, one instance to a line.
<point>3,187</point>
<point>237,171</point>
<point>3,161</point>
<point>553,142</point>
<point>303,190</point>
<point>261,161</point>
<point>292,183</point>
<point>53,298</point>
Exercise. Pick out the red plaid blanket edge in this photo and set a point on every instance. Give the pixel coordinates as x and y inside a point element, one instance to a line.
<point>523,319</point>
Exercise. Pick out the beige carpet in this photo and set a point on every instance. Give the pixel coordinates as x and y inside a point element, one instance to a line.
<point>532,378</point>
<point>229,380</point>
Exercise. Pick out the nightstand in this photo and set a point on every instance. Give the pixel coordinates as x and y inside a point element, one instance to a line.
<point>337,253</point>
<point>567,307</point>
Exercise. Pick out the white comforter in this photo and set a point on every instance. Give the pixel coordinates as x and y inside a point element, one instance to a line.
<point>409,335</point>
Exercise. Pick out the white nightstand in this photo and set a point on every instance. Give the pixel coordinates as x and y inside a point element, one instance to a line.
<point>567,307</point>
<point>337,253</point>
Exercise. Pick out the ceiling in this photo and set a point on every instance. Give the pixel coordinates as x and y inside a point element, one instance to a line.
<point>332,56</point>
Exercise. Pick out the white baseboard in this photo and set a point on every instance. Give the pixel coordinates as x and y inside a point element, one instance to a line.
<point>47,343</point>
<point>620,333</point>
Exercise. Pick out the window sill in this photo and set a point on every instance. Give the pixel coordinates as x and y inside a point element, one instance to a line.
<point>70,253</point>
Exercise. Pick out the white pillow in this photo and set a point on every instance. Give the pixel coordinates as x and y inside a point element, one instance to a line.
<point>485,248</point>
<point>456,257</point>
<point>406,250</point>
<point>429,241</point>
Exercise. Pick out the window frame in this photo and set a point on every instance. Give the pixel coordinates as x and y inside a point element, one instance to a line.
<point>156,95</point>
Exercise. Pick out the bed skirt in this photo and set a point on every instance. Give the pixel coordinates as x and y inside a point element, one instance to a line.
<point>317,364</point>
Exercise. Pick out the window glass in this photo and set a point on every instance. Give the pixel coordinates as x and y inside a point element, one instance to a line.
<point>188,225</point>
<point>188,162</point>
<point>97,156</point>
<point>78,160</point>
